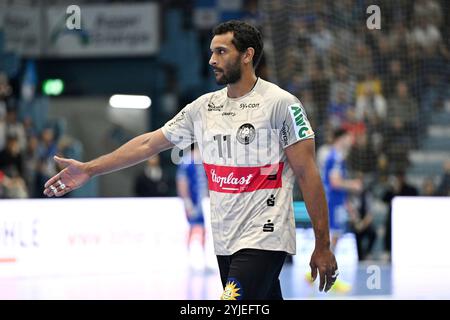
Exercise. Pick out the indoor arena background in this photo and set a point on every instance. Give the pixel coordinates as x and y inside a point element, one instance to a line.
<point>380,69</point>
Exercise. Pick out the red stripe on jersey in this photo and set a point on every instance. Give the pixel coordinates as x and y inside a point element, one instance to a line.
<point>243,179</point>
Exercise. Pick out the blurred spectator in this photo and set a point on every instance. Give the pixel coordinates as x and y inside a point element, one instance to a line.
<point>433,80</point>
<point>444,185</point>
<point>397,144</point>
<point>31,162</point>
<point>153,181</point>
<point>392,77</point>
<point>170,96</point>
<point>361,60</point>
<point>425,34</point>
<point>343,82</point>
<point>344,12</point>
<point>2,184</point>
<point>398,187</point>
<point>398,39</point>
<point>11,158</point>
<point>363,228</point>
<point>15,186</point>
<point>428,10</point>
<point>28,125</point>
<point>48,147</point>
<point>2,128</point>
<point>368,82</point>
<point>322,39</point>
<point>371,107</point>
<point>251,14</point>
<point>302,33</point>
<point>337,110</point>
<point>15,128</point>
<point>292,80</point>
<point>428,187</point>
<point>351,124</point>
<point>5,92</point>
<point>44,171</point>
<point>308,57</point>
<point>320,86</point>
<point>295,84</point>
<point>46,166</point>
<point>382,168</point>
<point>404,108</point>
<point>382,53</point>
<point>362,156</point>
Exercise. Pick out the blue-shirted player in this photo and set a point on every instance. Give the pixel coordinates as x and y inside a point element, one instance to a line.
<point>337,184</point>
<point>192,188</point>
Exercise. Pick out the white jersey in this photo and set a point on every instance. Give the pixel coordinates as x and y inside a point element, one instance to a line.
<point>241,142</point>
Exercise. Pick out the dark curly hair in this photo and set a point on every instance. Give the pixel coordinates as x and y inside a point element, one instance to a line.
<point>244,36</point>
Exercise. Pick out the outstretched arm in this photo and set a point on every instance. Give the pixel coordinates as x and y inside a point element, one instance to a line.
<point>76,173</point>
<point>301,159</point>
<point>350,185</point>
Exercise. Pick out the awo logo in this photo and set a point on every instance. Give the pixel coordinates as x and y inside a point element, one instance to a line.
<point>301,124</point>
<point>284,133</point>
<point>227,179</point>
<point>230,114</point>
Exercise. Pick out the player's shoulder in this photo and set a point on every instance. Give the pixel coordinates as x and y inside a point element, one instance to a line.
<point>272,93</point>
<point>334,156</point>
<point>210,97</point>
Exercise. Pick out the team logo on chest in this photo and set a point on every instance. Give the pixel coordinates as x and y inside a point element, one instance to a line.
<point>213,107</point>
<point>246,133</point>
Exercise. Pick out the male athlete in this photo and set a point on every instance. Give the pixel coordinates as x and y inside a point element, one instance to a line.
<point>255,139</point>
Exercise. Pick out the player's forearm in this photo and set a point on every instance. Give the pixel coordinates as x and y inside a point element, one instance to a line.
<point>134,151</point>
<point>316,204</point>
<point>347,185</point>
